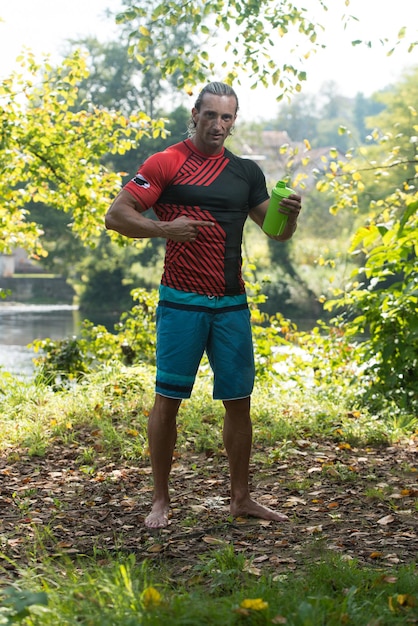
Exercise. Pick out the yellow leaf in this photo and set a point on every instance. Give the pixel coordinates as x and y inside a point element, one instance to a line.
<point>402,32</point>
<point>405,599</point>
<point>255,604</point>
<point>376,555</point>
<point>150,597</point>
<point>132,432</point>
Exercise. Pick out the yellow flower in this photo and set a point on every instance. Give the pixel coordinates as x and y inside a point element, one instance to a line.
<point>255,604</point>
<point>150,597</point>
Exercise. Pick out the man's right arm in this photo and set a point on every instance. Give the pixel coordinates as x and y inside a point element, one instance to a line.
<point>125,217</point>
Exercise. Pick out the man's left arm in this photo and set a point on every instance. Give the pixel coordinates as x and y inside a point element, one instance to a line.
<point>292,204</point>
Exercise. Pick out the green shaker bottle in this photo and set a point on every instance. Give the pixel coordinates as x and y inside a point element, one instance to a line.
<point>276,216</point>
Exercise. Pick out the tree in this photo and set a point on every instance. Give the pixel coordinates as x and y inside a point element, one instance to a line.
<point>299,117</point>
<point>364,108</point>
<point>174,37</point>
<point>393,128</point>
<point>381,299</point>
<point>53,155</point>
<point>254,30</point>
<point>113,77</point>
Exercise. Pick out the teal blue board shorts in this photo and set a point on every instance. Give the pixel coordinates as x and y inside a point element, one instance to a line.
<point>189,324</point>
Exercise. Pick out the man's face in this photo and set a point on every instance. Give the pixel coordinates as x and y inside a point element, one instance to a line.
<point>213,122</point>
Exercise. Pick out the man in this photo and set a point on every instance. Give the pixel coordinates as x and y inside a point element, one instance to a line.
<point>202,195</point>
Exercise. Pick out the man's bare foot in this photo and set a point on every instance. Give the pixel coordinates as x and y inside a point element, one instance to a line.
<point>251,508</point>
<point>158,518</point>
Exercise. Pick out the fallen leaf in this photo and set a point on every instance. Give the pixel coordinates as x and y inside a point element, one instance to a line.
<point>388,519</point>
<point>250,569</point>
<point>197,508</point>
<point>390,579</point>
<point>214,541</point>
<point>260,559</point>
<point>156,547</point>
<point>294,501</point>
<point>312,530</point>
<point>241,611</point>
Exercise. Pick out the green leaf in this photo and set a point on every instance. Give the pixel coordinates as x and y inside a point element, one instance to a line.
<point>410,210</point>
<point>20,601</point>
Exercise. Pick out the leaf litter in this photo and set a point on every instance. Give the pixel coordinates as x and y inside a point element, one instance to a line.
<point>361,503</point>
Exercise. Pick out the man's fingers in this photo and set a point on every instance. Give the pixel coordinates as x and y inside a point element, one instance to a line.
<point>202,223</point>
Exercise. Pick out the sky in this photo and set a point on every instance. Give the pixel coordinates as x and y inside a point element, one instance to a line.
<point>44,25</point>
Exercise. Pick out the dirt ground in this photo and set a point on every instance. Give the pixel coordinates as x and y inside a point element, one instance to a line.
<point>359,502</point>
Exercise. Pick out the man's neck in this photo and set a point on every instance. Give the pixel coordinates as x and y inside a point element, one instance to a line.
<point>203,149</point>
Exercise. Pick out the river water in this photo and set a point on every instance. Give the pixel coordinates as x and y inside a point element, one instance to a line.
<point>21,324</point>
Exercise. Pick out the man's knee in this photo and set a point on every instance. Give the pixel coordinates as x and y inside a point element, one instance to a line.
<point>239,408</point>
<point>165,407</point>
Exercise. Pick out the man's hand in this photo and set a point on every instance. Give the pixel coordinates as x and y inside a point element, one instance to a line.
<point>184,229</point>
<point>125,217</point>
<point>292,206</point>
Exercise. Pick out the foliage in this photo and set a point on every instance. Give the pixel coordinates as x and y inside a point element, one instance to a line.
<point>15,604</point>
<point>318,119</point>
<point>251,27</point>
<point>329,358</point>
<point>383,303</point>
<point>53,155</point>
<point>381,299</point>
<point>111,78</point>
<point>123,591</point>
<point>269,574</point>
<point>254,33</point>
<point>61,362</point>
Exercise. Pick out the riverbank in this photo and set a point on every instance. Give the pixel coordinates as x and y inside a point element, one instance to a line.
<point>37,288</point>
<point>20,324</point>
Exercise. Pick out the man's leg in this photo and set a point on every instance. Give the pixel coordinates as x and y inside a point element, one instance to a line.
<point>162,435</point>
<point>237,435</point>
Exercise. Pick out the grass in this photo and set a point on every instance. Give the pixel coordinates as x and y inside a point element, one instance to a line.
<point>222,589</point>
<point>106,415</point>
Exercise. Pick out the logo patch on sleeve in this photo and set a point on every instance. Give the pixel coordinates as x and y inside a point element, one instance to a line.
<point>141,181</point>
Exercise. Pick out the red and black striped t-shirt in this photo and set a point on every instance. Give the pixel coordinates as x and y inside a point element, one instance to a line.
<point>222,189</point>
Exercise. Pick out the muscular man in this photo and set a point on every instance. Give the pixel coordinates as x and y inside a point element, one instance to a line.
<point>202,195</point>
